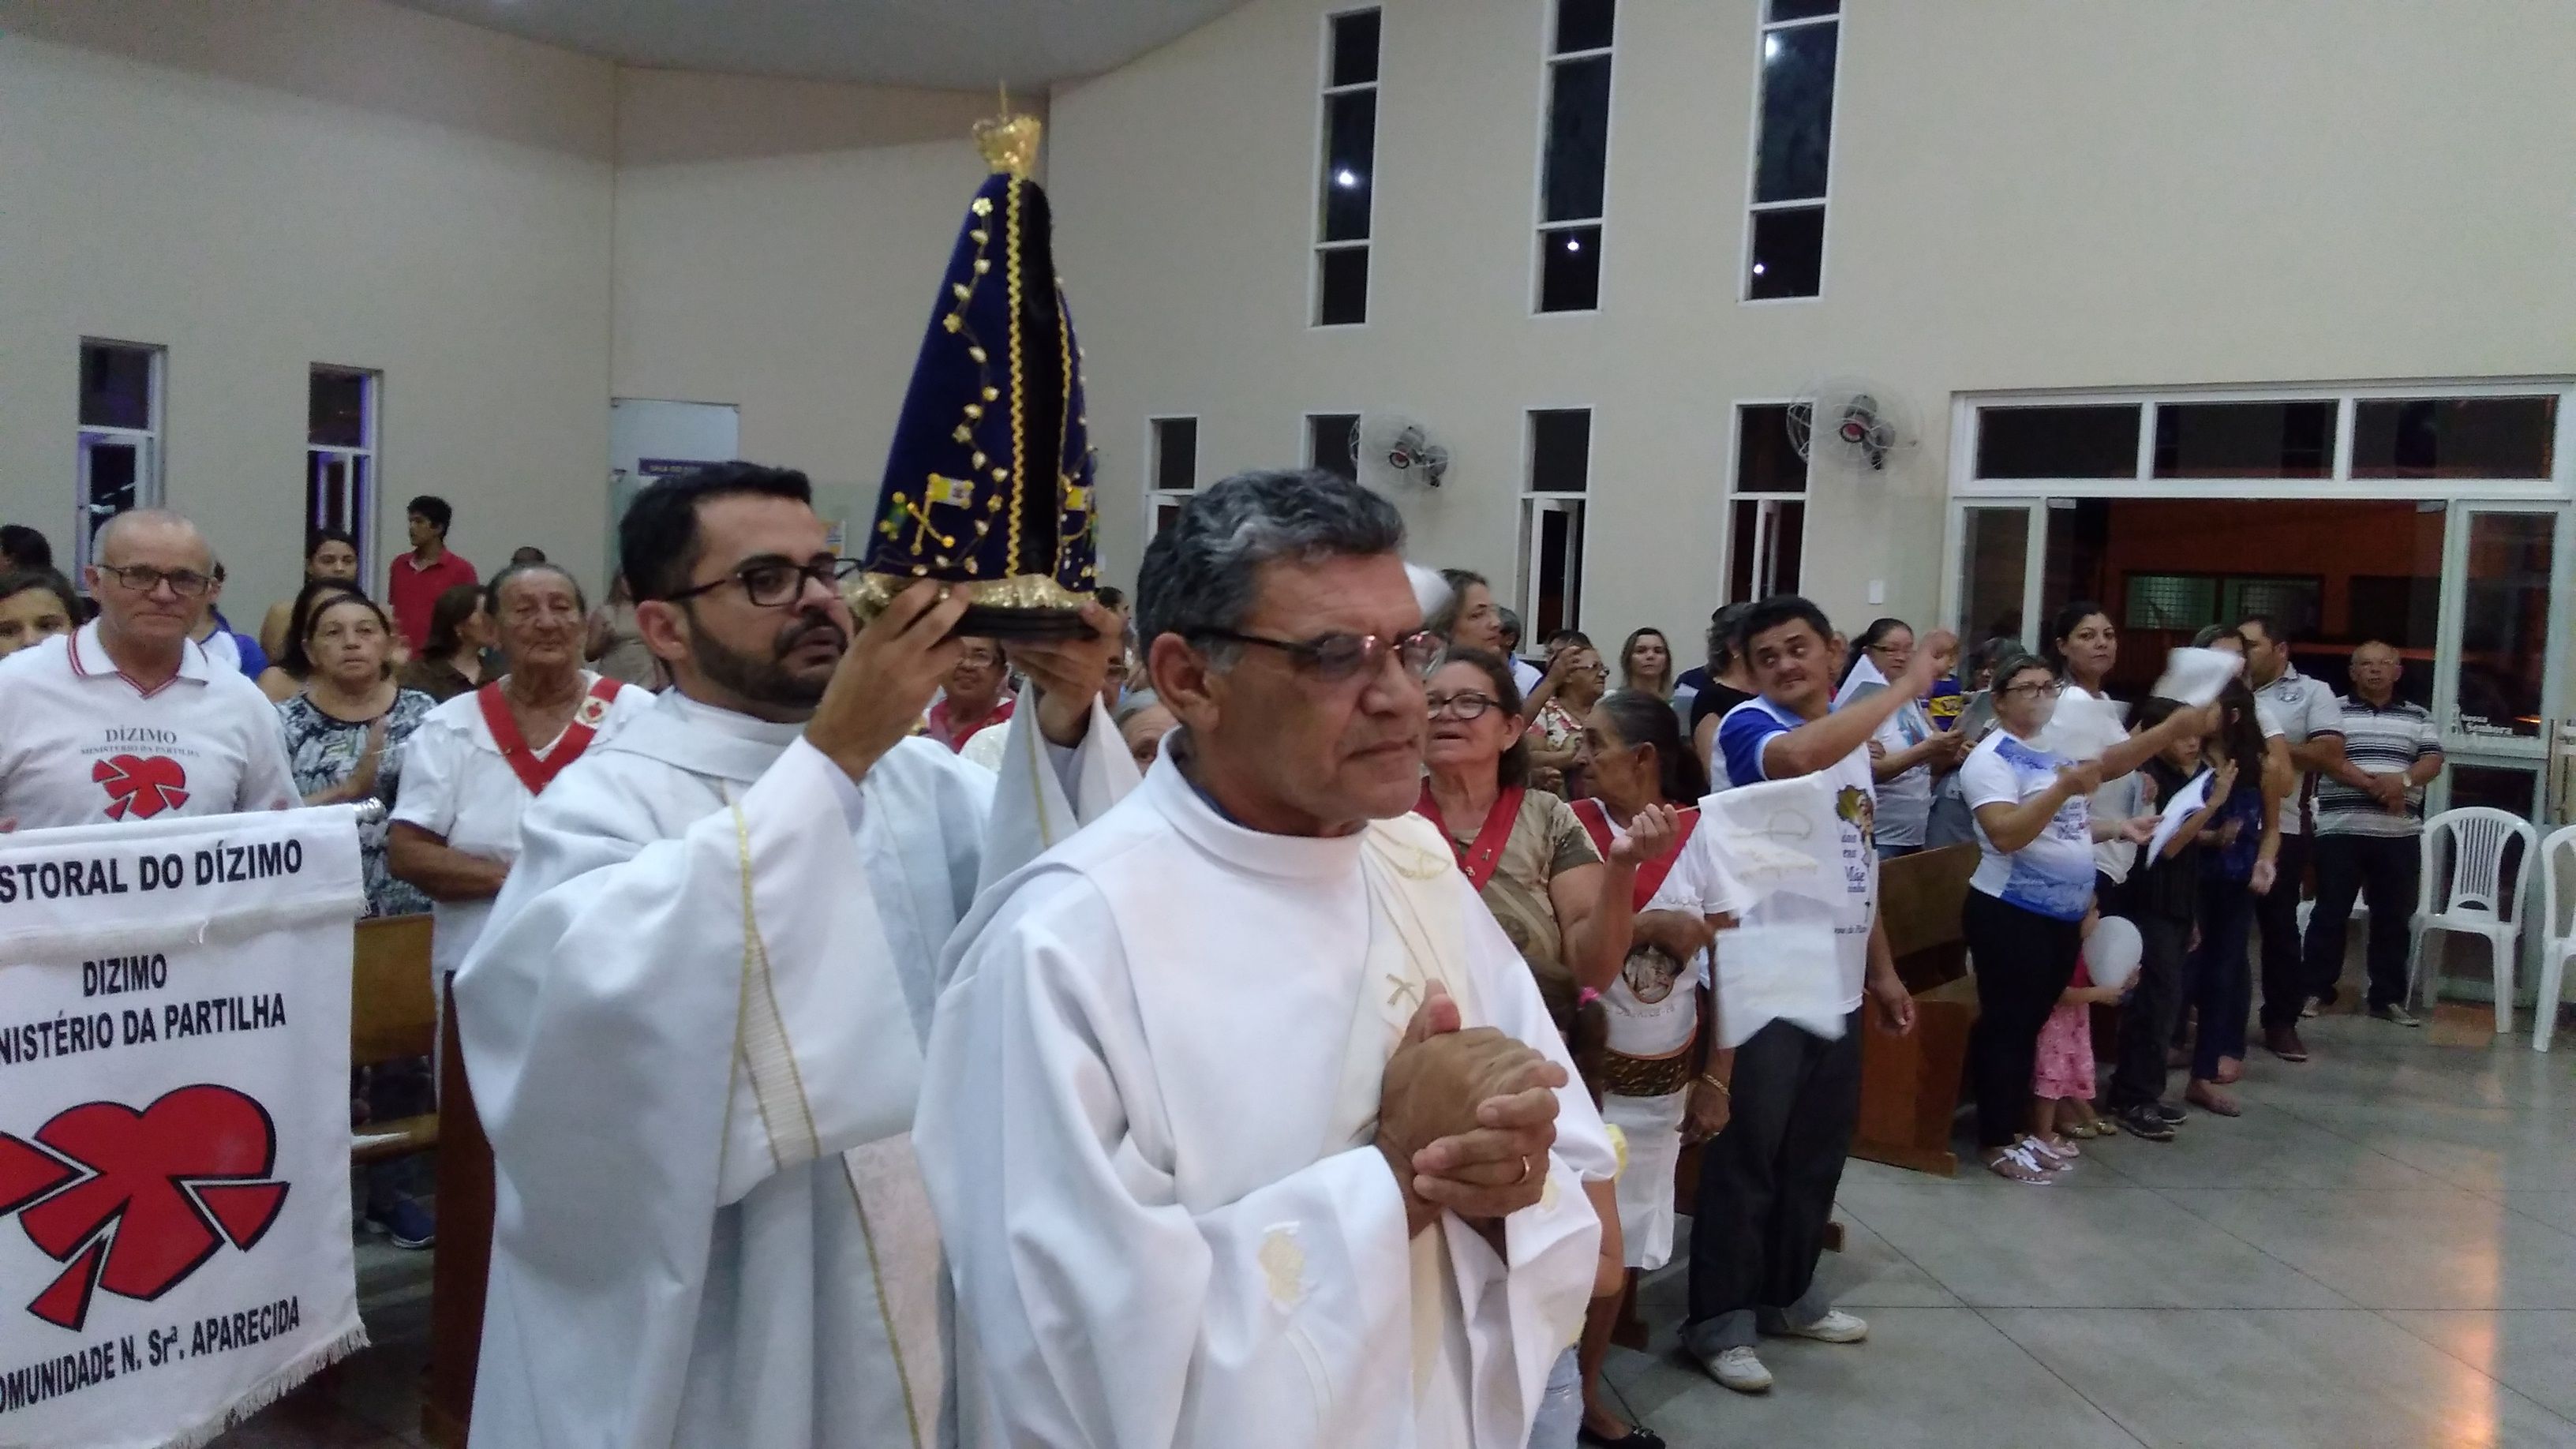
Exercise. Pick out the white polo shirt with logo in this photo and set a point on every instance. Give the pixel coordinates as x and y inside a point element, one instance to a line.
<point>81,743</point>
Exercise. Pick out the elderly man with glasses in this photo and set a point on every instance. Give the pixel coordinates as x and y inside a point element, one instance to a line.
<point>128,720</point>
<point>1243,1121</point>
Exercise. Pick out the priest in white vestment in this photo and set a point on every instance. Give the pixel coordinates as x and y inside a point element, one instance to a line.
<point>1210,1170</point>
<point>694,1022</point>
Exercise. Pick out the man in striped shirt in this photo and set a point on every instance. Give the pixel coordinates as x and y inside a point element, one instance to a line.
<point>2370,812</point>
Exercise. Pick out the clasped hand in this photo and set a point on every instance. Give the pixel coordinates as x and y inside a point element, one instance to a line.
<point>1466,1118</point>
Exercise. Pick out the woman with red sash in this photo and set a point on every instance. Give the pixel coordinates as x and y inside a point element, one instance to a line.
<point>1568,904</point>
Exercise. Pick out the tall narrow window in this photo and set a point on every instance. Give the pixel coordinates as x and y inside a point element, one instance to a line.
<point>340,458</point>
<point>1346,183</point>
<point>1792,149</point>
<point>120,436</point>
<point>1333,443</point>
<point>1171,467</point>
<point>1768,508</point>
<point>1574,165</point>
<point>1560,472</point>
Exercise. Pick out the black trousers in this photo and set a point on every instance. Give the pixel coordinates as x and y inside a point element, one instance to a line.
<point>2023,962</point>
<point>2380,869</point>
<point>2147,1017</point>
<point>1766,1184</point>
<point>2286,984</point>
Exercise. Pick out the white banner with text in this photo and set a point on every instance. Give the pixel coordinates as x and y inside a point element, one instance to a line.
<point>174,1122</point>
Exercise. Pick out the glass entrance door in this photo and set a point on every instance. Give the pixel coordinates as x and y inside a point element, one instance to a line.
<point>2499,673</point>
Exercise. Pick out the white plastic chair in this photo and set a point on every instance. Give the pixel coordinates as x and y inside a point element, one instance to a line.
<point>2557,929</point>
<point>2474,897</point>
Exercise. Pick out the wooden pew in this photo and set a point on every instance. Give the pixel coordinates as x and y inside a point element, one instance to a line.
<point>1910,1085</point>
<point>392,1017</point>
<point>464,1264</point>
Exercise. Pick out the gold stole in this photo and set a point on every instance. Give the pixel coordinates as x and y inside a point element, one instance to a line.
<point>1417,935</point>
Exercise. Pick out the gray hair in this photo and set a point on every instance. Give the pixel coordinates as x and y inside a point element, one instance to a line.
<point>492,590</point>
<point>1201,573</point>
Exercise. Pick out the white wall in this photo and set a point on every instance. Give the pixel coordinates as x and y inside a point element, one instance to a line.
<point>779,246</point>
<point>2025,194</point>
<point>260,185</point>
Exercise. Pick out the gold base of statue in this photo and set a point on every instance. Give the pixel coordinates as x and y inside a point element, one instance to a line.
<point>1032,606</point>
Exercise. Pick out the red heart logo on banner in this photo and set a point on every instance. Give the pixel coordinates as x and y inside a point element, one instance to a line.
<point>134,1201</point>
<point>141,785</point>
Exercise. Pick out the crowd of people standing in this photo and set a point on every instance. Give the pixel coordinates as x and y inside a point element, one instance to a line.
<point>1577,814</point>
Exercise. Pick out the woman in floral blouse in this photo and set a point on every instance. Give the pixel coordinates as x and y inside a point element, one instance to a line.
<point>345,730</point>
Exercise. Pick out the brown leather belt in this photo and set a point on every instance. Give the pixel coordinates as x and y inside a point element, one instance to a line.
<point>1646,1076</point>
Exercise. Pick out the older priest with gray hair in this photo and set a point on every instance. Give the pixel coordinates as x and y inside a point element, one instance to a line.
<point>1243,1122</point>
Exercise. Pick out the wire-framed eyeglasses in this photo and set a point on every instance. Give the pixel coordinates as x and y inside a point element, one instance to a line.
<point>1334,658</point>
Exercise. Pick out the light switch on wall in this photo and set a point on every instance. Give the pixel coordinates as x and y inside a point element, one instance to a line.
<point>1878,591</point>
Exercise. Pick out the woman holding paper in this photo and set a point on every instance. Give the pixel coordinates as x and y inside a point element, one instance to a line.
<point>2164,900</point>
<point>2084,645</point>
<point>2238,851</point>
<point>2027,900</point>
<point>1909,751</point>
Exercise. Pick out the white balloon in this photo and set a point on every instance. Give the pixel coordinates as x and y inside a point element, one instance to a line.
<point>2112,953</point>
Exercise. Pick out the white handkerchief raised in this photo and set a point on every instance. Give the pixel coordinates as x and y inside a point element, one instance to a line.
<point>1779,835</point>
<point>1778,973</point>
<point>2186,803</point>
<point>2195,676</point>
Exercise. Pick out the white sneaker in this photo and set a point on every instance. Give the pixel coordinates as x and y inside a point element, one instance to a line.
<point>1740,1369</point>
<point>1835,1327</point>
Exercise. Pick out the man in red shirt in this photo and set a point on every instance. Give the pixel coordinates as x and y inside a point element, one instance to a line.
<point>431,568</point>
<point>974,698</point>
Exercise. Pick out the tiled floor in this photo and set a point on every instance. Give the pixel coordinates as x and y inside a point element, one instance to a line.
<point>2381,1251</point>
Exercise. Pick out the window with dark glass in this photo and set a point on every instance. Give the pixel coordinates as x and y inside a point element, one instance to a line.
<point>2245,439</point>
<point>1793,149</point>
<point>118,466</point>
<point>2081,441</point>
<point>1766,461</point>
<point>1346,185</point>
<point>1332,443</point>
<point>1560,450</point>
<point>340,455</point>
<point>1575,156</point>
<point>116,386</point>
<point>1767,519</point>
<point>1552,503</point>
<point>1176,454</point>
<point>2454,437</point>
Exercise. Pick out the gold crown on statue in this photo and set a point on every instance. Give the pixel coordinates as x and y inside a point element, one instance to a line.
<point>1009,142</point>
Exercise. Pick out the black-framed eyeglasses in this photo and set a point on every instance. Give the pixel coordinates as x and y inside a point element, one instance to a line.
<point>773,583</point>
<point>1465,705</point>
<point>144,578</point>
<point>2036,689</point>
<point>1337,657</point>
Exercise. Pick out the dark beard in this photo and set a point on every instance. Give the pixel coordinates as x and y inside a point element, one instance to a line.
<point>763,679</point>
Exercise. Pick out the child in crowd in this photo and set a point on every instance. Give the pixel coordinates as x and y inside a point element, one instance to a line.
<point>2061,1108</point>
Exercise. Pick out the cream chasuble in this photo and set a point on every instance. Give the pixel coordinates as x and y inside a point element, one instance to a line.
<point>1146,1128</point>
<point>694,1029</point>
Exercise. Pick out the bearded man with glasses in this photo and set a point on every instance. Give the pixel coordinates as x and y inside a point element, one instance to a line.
<point>128,720</point>
<point>694,1023</point>
<point>1243,1121</point>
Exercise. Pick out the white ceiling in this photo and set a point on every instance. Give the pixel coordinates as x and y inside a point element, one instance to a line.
<point>945,44</point>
